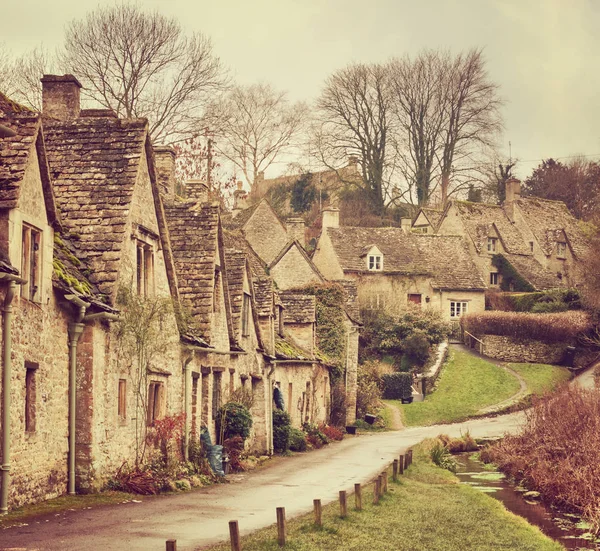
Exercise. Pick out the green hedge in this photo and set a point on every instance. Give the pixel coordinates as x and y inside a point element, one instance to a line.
<point>397,386</point>
<point>238,420</point>
<point>511,279</point>
<point>281,430</point>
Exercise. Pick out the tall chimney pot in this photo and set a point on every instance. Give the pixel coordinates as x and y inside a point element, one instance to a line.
<point>197,189</point>
<point>164,157</point>
<point>331,217</point>
<point>61,97</point>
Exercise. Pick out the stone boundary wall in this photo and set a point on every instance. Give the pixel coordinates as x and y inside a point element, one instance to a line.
<point>510,349</point>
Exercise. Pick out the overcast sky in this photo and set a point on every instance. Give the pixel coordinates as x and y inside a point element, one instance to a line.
<point>544,54</point>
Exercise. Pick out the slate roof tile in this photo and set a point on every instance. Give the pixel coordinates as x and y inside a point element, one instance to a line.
<point>298,308</point>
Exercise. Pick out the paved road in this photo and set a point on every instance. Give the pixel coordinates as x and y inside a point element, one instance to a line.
<point>200,517</point>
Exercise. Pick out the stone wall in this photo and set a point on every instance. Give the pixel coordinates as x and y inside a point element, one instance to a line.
<point>293,270</point>
<point>265,233</point>
<point>523,350</point>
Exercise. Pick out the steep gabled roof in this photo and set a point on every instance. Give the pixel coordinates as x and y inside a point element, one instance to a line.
<point>236,266</point>
<point>479,218</point>
<point>547,219</point>
<point>295,244</point>
<point>234,239</point>
<point>434,216</point>
<point>193,229</point>
<point>531,270</point>
<point>298,308</point>
<point>94,163</point>
<point>445,258</point>
<point>263,293</point>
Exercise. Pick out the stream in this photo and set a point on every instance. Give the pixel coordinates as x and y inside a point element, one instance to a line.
<point>566,528</point>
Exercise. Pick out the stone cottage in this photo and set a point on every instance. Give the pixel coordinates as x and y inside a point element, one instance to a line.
<point>393,268</point>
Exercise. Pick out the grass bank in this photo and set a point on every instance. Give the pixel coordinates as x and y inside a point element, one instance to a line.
<point>426,509</point>
<point>541,378</point>
<point>466,385</point>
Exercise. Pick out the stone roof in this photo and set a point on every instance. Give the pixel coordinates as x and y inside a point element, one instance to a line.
<point>303,253</point>
<point>263,295</point>
<point>434,216</point>
<point>351,293</point>
<point>480,218</point>
<point>239,221</point>
<point>193,229</point>
<point>445,258</point>
<point>236,265</point>
<point>298,308</point>
<point>287,349</point>
<point>234,239</point>
<point>547,220</point>
<point>531,270</point>
<point>94,164</point>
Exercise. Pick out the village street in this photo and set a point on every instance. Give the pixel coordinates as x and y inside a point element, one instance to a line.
<point>198,518</point>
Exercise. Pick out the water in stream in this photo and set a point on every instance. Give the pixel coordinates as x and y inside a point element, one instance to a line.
<point>569,530</point>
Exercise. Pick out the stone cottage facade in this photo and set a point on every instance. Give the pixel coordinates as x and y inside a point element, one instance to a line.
<point>540,239</point>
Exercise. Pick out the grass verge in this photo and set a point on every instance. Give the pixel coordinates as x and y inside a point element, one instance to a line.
<point>426,509</point>
<point>541,378</point>
<point>466,385</point>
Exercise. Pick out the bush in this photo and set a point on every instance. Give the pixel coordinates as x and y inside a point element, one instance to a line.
<point>369,388</point>
<point>397,386</point>
<point>315,432</point>
<point>440,455</point>
<point>416,347</point>
<point>338,406</point>
<point>297,440</point>
<point>234,447</point>
<point>559,327</point>
<point>237,421</point>
<point>281,431</point>
<point>332,433</point>
<point>549,307</point>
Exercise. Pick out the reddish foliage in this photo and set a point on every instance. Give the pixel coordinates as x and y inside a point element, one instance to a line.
<point>314,441</point>
<point>333,433</point>
<point>234,447</point>
<point>557,450</point>
<point>167,434</point>
<point>136,481</point>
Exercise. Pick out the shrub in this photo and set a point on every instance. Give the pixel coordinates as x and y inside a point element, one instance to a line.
<point>234,447</point>
<point>332,433</point>
<point>369,388</point>
<point>440,455</point>
<point>416,347</point>
<point>556,452</point>
<point>237,421</point>
<point>565,326</point>
<point>549,307</point>
<point>166,435</point>
<point>338,406</point>
<point>397,386</point>
<point>297,440</point>
<point>281,430</point>
<point>313,431</point>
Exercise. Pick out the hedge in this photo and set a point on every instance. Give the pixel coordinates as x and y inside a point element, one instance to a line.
<point>558,327</point>
<point>397,385</point>
<point>281,431</point>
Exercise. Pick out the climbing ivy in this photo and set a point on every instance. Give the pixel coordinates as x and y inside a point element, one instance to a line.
<point>511,279</point>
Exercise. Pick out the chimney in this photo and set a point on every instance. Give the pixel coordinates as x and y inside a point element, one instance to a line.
<point>406,224</point>
<point>513,193</point>
<point>331,217</point>
<point>197,189</point>
<point>164,160</point>
<point>60,97</point>
<point>295,230</point>
<point>240,200</point>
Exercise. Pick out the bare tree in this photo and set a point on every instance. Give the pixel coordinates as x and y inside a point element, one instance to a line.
<point>28,70</point>
<point>142,65</point>
<point>7,85</point>
<point>353,120</point>
<point>449,111</point>
<point>255,125</point>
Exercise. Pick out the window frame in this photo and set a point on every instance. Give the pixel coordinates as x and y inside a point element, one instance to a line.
<point>493,278</point>
<point>122,400</point>
<point>31,262</point>
<point>156,401</point>
<point>492,244</point>
<point>461,310</point>
<point>375,262</point>
<point>561,249</point>
<point>30,417</point>
<point>144,268</point>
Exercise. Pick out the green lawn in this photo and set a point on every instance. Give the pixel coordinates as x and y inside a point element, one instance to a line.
<point>426,510</point>
<point>541,377</point>
<point>466,385</point>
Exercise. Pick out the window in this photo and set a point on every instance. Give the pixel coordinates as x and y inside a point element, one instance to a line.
<point>246,310</point>
<point>145,269</point>
<point>414,298</point>
<point>290,396</point>
<point>376,301</point>
<point>491,244</point>
<point>531,246</point>
<point>375,262</point>
<point>31,245</point>
<point>420,229</point>
<point>457,309</point>
<point>216,393</point>
<point>30,396</point>
<point>561,249</point>
<point>156,395</point>
<point>122,405</point>
<point>493,278</point>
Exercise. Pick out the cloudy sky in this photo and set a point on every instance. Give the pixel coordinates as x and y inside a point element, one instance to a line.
<point>545,54</point>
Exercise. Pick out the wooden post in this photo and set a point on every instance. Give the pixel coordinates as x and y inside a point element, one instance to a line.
<point>358,497</point>
<point>401,465</point>
<point>281,526</point>
<point>234,535</point>
<point>406,461</point>
<point>343,504</point>
<point>385,481</point>
<point>376,491</point>
<point>171,545</point>
<point>318,512</point>
<point>380,485</point>
<point>395,470</point>
<point>410,457</point>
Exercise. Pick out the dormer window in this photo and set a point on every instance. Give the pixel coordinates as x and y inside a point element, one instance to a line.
<point>375,262</point>
<point>561,249</point>
<point>31,249</point>
<point>492,244</point>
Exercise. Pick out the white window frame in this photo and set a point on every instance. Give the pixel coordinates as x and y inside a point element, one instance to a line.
<point>561,249</point>
<point>375,262</point>
<point>458,308</point>
<point>144,268</point>
<point>493,278</point>
<point>492,244</point>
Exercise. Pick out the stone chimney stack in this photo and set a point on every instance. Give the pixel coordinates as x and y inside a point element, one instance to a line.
<point>295,230</point>
<point>331,217</point>
<point>60,97</point>
<point>164,158</point>
<point>406,224</point>
<point>240,200</point>
<point>513,193</point>
<point>197,189</point>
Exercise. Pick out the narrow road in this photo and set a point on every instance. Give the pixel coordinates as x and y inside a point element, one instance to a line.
<point>199,518</point>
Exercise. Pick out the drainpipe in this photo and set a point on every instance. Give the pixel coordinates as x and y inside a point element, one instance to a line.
<point>186,407</point>
<point>6,391</point>
<point>75,331</point>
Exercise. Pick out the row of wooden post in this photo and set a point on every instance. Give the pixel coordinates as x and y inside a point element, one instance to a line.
<point>381,487</point>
